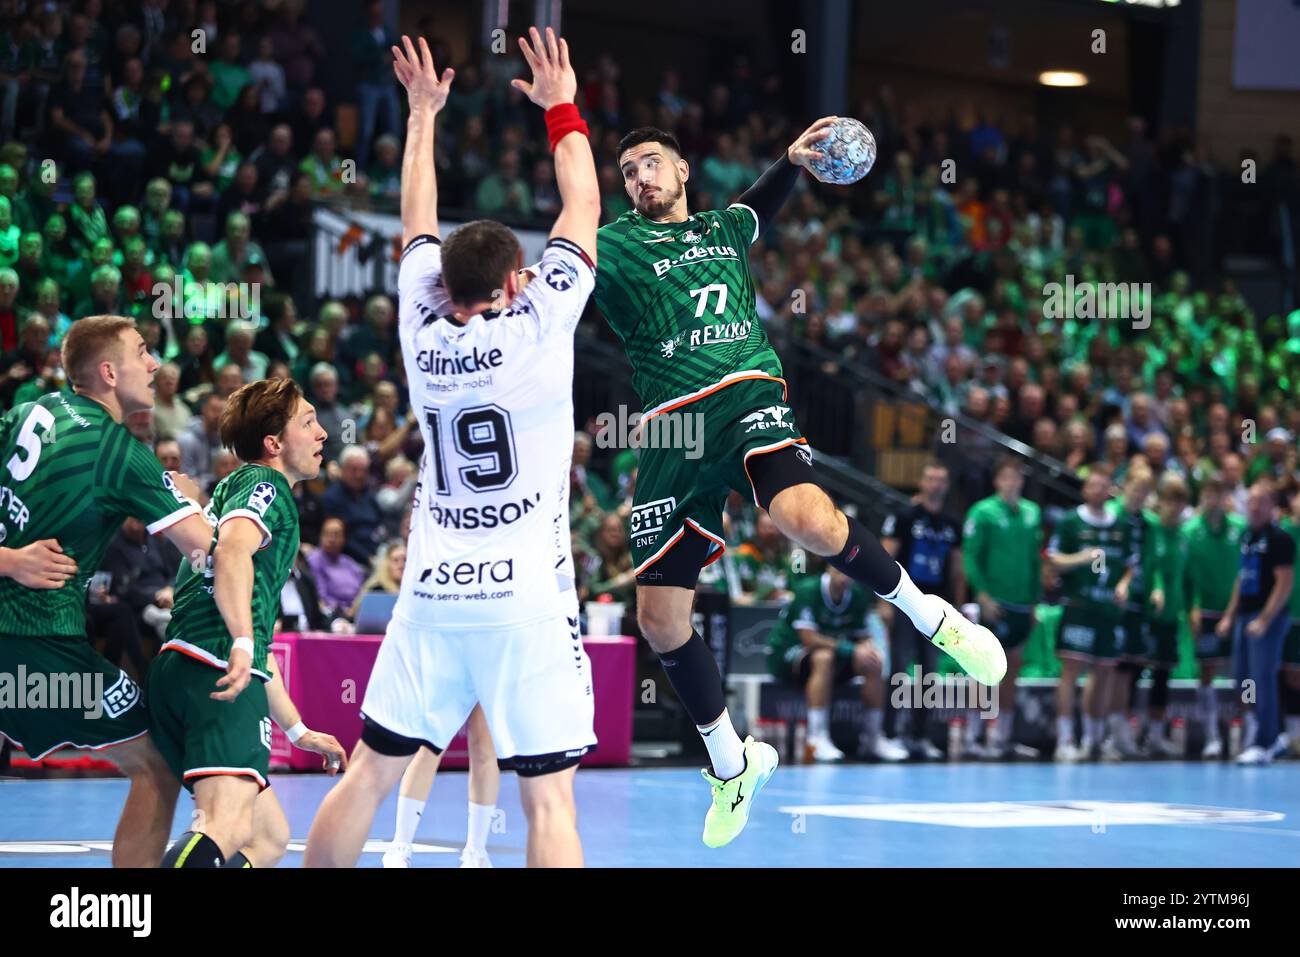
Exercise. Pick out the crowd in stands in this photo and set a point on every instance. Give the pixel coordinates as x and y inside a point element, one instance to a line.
<point>140,175</point>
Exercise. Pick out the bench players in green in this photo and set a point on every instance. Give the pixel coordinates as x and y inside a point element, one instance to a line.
<point>70,471</point>
<point>210,721</point>
<point>676,289</point>
<point>821,641</point>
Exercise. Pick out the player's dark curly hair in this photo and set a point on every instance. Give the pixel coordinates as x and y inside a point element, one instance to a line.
<point>647,134</point>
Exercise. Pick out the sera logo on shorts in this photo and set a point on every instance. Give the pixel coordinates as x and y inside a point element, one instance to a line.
<point>121,697</point>
<point>770,418</point>
<point>561,276</point>
<point>650,517</point>
<point>262,498</point>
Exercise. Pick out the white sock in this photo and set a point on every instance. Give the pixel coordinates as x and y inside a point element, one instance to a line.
<point>1210,711</point>
<point>1250,727</point>
<point>480,820</point>
<point>819,722</point>
<point>1064,731</point>
<point>409,811</point>
<point>1156,730</point>
<point>871,722</point>
<point>726,750</point>
<point>925,610</point>
<point>1094,729</point>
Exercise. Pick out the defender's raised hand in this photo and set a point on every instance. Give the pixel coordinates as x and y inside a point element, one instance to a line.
<point>554,81</point>
<point>416,72</point>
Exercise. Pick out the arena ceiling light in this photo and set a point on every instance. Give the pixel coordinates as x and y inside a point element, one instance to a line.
<point>1062,78</point>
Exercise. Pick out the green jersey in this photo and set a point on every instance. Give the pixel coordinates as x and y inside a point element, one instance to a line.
<point>1292,529</point>
<point>761,576</point>
<point>1000,550</point>
<point>1213,557</point>
<point>1093,583</point>
<point>680,297</point>
<point>197,629</point>
<point>1169,557</point>
<point>811,607</point>
<point>1139,529</point>
<point>69,472</point>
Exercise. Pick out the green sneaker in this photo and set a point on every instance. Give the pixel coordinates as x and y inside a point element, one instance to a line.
<point>972,646</point>
<point>732,799</point>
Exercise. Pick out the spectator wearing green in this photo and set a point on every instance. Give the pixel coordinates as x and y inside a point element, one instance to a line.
<point>763,564</point>
<point>221,160</point>
<point>229,76</point>
<point>10,234</point>
<point>1002,542</point>
<point>1275,459</point>
<point>31,268</point>
<point>48,304</point>
<point>505,191</point>
<point>821,641</point>
<point>82,275</point>
<point>323,164</point>
<point>87,222</point>
<point>610,565</point>
<point>105,297</point>
<point>236,249</point>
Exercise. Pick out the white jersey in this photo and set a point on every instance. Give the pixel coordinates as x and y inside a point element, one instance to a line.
<point>489,543</point>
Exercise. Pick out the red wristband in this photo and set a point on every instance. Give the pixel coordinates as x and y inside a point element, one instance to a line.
<point>562,120</point>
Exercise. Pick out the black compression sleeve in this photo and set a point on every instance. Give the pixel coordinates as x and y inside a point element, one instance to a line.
<point>770,191</point>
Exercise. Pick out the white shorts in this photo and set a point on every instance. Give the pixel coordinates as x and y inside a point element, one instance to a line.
<point>534,684</point>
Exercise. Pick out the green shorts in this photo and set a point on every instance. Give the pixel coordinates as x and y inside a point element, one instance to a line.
<point>1013,627</point>
<point>59,692</point>
<point>1160,643</point>
<point>681,490</point>
<point>199,737</point>
<point>1209,646</point>
<point>1131,637</point>
<point>1087,633</point>
<point>1291,647</point>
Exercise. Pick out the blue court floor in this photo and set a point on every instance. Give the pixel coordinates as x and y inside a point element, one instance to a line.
<point>964,815</point>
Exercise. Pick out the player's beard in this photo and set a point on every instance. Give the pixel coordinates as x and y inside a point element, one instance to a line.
<point>661,202</point>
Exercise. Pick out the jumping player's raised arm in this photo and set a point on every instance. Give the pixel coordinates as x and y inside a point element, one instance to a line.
<point>770,192</point>
<point>426,95</point>
<point>554,88</point>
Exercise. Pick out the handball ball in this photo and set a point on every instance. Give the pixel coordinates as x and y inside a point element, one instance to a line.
<point>850,152</point>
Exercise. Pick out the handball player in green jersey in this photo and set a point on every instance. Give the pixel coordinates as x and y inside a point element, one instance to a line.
<point>70,474</point>
<point>675,287</point>
<point>210,719</point>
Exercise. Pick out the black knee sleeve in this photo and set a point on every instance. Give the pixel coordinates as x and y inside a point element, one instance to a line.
<point>1159,688</point>
<point>865,560</point>
<point>693,673</point>
<point>193,849</point>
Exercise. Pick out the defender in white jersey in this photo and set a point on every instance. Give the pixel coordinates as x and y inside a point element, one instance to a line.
<point>488,610</point>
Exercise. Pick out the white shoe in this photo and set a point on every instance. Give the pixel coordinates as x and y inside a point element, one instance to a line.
<point>1281,747</point>
<point>1067,752</point>
<point>1110,751</point>
<point>973,646</point>
<point>1254,755</point>
<point>1213,749</point>
<point>472,858</point>
<point>1162,747</point>
<point>927,750</point>
<point>397,855</point>
<point>883,749</point>
<point>822,749</point>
